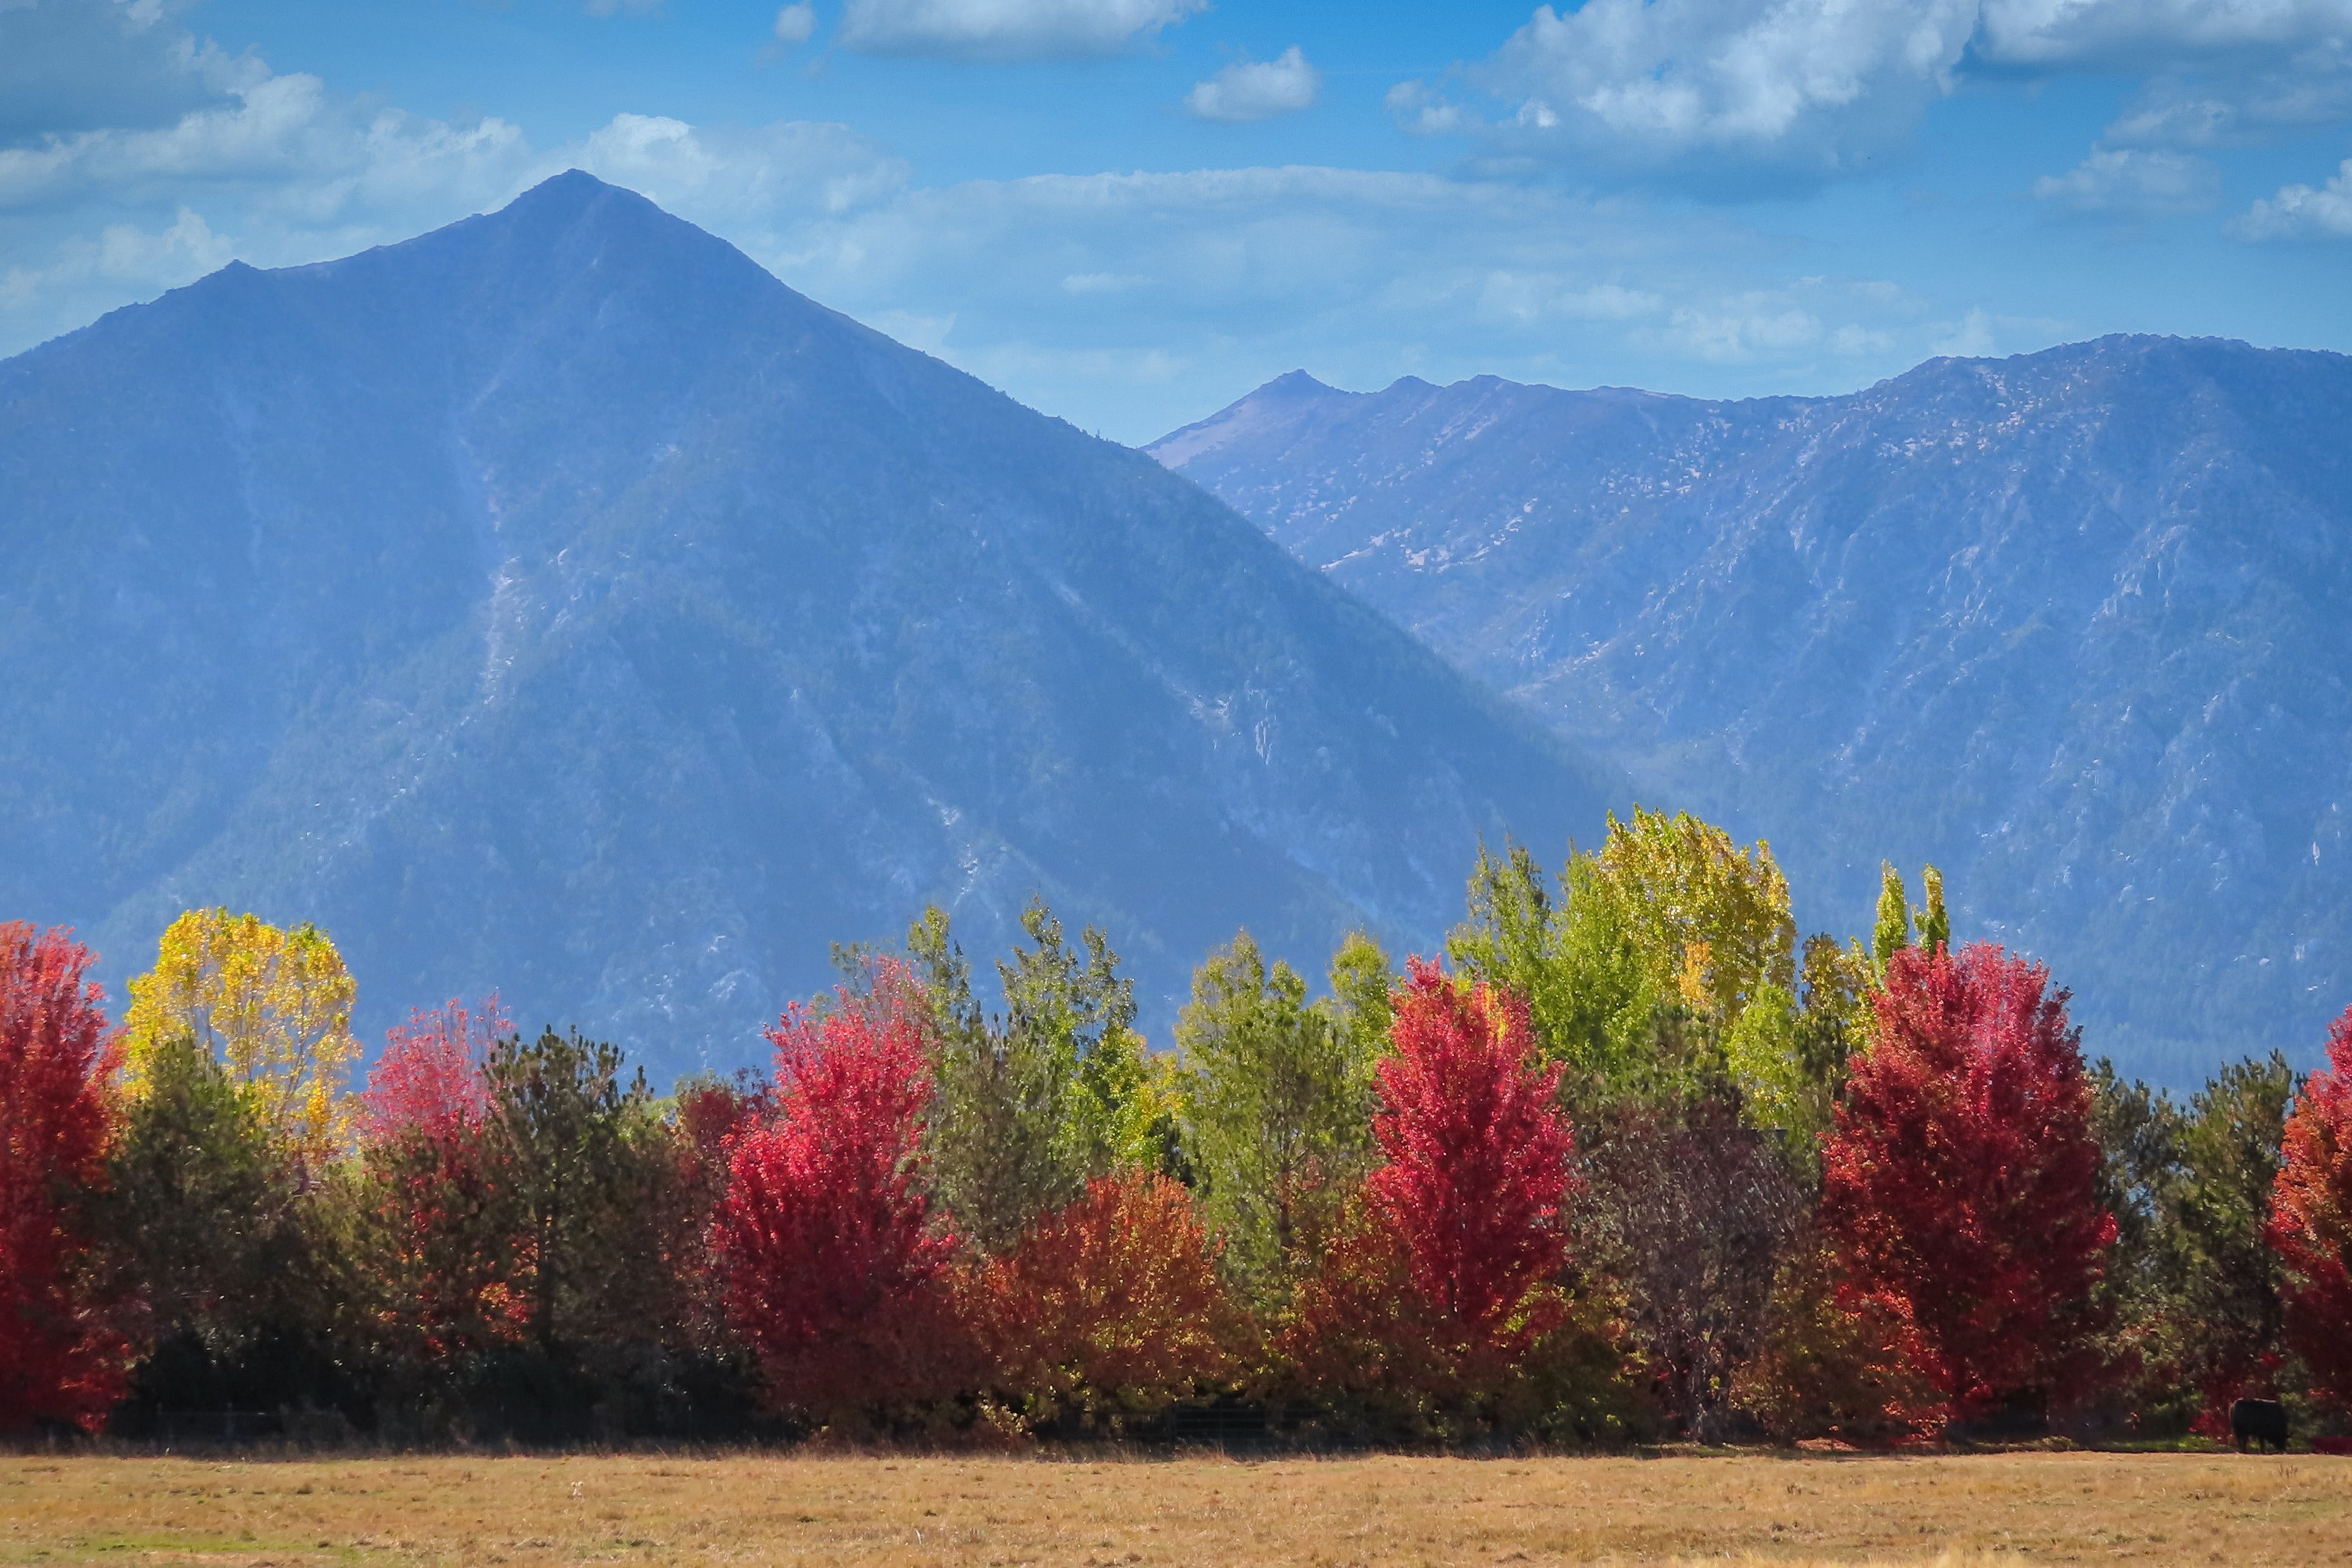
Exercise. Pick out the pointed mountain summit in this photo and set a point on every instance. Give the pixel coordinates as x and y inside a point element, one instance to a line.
<point>558,602</point>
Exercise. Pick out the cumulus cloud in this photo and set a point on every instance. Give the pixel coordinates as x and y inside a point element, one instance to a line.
<point>1809,86</point>
<point>1257,90</point>
<point>757,175</point>
<point>796,23</point>
<point>2301,212</point>
<point>84,64</point>
<point>1005,30</point>
<point>2130,183</point>
<point>1729,93</point>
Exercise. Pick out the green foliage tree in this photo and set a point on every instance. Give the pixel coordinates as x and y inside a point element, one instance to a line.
<point>221,1229</point>
<point>2196,1285</point>
<point>1277,1100</point>
<point>578,1142</point>
<point>1935,925</point>
<point>1571,956</point>
<point>1057,1090</point>
<point>1665,961</point>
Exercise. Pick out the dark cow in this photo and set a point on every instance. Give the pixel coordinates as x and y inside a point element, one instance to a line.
<point>2262,1420</point>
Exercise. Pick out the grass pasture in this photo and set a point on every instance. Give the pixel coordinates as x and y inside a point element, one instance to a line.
<point>858,1511</point>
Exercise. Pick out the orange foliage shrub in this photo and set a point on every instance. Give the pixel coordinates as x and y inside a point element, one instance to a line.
<point>1111,1306</point>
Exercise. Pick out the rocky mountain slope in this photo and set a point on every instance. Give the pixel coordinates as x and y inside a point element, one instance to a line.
<point>2070,625</point>
<point>558,602</point>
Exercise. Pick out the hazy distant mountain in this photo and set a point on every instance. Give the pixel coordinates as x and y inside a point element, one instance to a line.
<point>2072,624</point>
<point>558,602</point>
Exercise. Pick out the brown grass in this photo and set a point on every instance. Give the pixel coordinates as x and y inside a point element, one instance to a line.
<point>752,1509</point>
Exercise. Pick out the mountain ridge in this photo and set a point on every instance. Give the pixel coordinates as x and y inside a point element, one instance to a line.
<point>2058,622</point>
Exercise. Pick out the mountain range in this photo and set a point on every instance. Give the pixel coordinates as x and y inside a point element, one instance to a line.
<point>2068,625</point>
<point>558,602</point>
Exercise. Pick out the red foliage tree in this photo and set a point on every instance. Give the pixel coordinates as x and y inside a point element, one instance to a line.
<point>429,1079</point>
<point>2311,1218</point>
<point>62,1358</point>
<point>1113,1304</point>
<point>1440,1278</point>
<point>1477,1166</point>
<point>1959,1180</point>
<point>443,1261</point>
<point>834,1273</point>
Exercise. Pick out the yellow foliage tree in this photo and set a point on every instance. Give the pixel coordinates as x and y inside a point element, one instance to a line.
<point>274,1006</point>
<point>1708,921</point>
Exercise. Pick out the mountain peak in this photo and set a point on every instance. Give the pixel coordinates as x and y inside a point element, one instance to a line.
<point>558,602</point>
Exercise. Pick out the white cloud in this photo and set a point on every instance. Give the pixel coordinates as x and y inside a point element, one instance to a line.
<point>1132,303</point>
<point>2154,33</point>
<point>83,65</point>
<point>796,23</point>
<point>1743,95</point>
<point>1806,86</point>
<point>1423,112</point>
<point>124,256</point>
<point>1101,283</point>
<point>2175,119</point>
<point>1741,337</point>
<point>2299,212</point>
<point>741,178</point>
<point>1531,300</point>
<point>2130,183</point>
<point>1257,90</point>
<point>1968,338</point>
<point>1004,30</point>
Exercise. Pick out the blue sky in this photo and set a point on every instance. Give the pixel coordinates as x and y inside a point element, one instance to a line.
<point>1129,212</point>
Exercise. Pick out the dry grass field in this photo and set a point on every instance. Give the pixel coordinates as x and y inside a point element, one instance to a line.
<point>643,1509</point>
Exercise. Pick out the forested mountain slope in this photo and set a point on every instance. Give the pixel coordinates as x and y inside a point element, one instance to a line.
<point>2070,625</point>
<point>558,602</point>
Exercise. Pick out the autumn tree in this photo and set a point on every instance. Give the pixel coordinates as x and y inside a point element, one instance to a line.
<point>1890,931</point>
<point>1440,1280</point>
<point>438,1244</point>
<point>1959,1184</point>
<point>1710,920</point>
<point>1475,1155</point>
<point>62,1356</point>
<point>274,1006</point>
<point>2311,1218</point>
<point>1111,1308</point>
<point>835,1274</point>
<point>1277,1101</point>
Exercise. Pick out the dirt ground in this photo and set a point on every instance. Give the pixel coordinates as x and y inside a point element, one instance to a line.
<point>761,1508</point>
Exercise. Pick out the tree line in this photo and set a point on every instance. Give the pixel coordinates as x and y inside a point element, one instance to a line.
<point>1626,1160</point>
